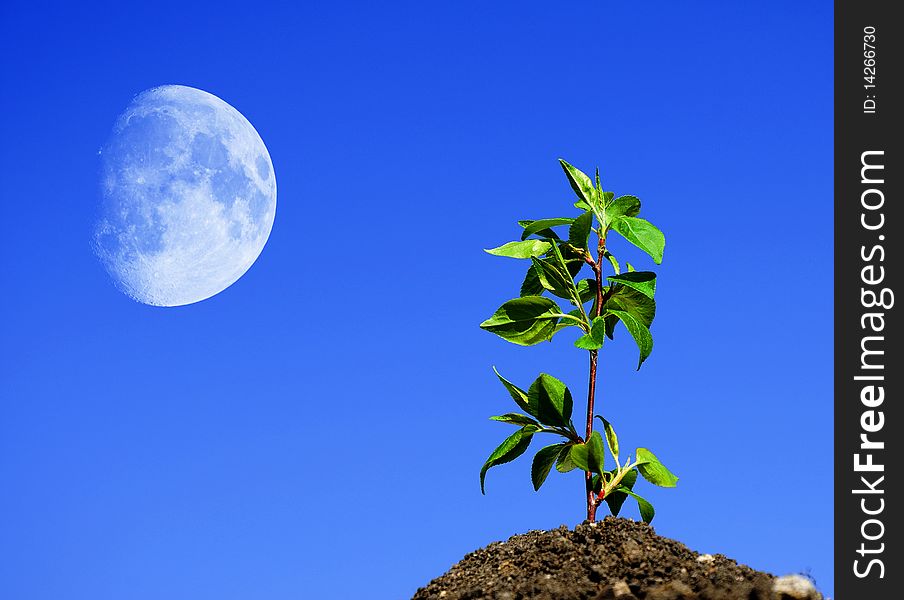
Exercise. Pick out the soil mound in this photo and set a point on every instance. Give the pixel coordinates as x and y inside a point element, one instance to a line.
<point>615,559</point>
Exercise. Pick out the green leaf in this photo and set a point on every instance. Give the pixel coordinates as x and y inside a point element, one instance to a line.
<point>586,290</point>
<point>553,279</point>
<point>615,498</point>
<point>564,464</point>
<point>541,224</point>
<point>580,183</point>
<point>639,332</point>
<point>596,456</point>
<point>525,249</point>
<point>515,419</point>
<point>611,322</point>
<point>531,285</point>
<point>551,400</point>
<point>596,483</point>
<point>630,300</point>
<point>517,394</point>
<point>524,321</point>
<point>611,438</point>
<point>613,261</point>
<point>593,340</point>
<point>546,233</point>
<point>642,234</point>
<point>511,448</point>
<point>579,232</point>
<point>543,461</point>
<point>587,342</point>
<point>642,281</point>
<point>653,470</point>
<point>598,330</point>
<point>646,509</point>
<point>579,456</point>
<point>623,206</point>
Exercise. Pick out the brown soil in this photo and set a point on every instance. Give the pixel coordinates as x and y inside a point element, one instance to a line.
<point>612,559</point>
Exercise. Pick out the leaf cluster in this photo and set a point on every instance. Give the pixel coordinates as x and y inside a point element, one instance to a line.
<point>548,404</point>
<point>557,261</point>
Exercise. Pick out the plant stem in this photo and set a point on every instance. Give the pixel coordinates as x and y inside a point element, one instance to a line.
<point>591,391</point>
<point>621,472</point>
<point>572,317</point>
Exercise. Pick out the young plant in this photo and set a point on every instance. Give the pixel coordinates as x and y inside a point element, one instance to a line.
<point>626,297</point>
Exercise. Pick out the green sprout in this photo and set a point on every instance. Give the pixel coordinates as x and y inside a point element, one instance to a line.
<point>626,297</point>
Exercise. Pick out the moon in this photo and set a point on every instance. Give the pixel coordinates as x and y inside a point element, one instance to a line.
<point>188,197</point>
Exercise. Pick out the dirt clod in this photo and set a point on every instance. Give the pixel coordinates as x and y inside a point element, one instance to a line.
<point>616,559</point>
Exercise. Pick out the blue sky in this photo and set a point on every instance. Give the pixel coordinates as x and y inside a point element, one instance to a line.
<point>316,430</point>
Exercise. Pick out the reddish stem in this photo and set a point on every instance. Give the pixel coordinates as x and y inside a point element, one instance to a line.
<point>592,500</point>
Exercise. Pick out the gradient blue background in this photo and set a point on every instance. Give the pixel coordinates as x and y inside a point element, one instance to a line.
<point>316,430</point>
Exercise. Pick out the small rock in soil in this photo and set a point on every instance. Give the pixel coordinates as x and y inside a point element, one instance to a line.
<point>616,559</point>
<point>795,587</point>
